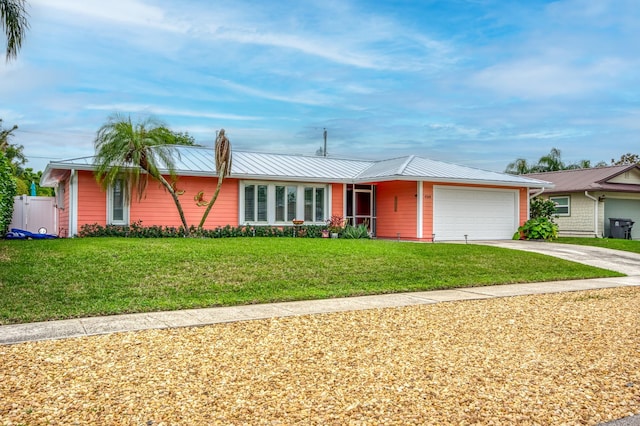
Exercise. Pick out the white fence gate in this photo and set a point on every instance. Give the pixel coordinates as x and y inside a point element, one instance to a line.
<point>34,213</point>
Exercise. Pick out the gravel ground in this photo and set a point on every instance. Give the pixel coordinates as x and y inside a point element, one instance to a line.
<point>571,358</point>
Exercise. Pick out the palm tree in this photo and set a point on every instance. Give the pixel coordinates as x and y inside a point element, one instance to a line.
<point>223,167</point>
<point>135,152</point>
<point>13,20</point>
<point>550,162</point>
<point>518,167</point>
<point>4,136</point>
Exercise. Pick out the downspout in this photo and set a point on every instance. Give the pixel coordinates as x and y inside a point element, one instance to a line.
<point>420,209</point>
<point>536,194</point>
<point>531,197</point>
<point>73,203</point>
<point>595,212</point>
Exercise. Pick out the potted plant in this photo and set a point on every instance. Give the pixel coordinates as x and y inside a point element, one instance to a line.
<point>335,225</point>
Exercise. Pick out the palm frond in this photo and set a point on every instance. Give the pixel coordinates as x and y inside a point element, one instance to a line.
<point>13,19</point>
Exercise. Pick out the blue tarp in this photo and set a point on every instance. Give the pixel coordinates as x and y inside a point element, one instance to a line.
<point>21,234</point>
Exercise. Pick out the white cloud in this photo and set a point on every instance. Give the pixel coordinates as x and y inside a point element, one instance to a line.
<point>545,77</point>
<point>158,110</point>
<point>126,12</point>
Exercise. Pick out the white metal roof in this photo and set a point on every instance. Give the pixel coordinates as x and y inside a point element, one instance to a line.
<point>199,161</point>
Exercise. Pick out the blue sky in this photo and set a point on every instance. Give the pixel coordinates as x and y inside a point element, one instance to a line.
<point>474,82</point>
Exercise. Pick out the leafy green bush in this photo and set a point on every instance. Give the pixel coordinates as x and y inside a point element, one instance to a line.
<point>136,230</point>
<point>8,190</point>
<point>540,228</point>
<point>539,207</point>
<point>352,232</point>
<point>541,225</point>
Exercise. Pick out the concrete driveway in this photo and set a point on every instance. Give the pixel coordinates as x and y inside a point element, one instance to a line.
<point>614,260</point>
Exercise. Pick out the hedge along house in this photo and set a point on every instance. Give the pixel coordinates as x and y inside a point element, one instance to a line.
<point>410,198</point>
<point>588,198</point>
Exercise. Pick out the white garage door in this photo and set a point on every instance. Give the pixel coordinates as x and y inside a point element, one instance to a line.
<point>481,214</point>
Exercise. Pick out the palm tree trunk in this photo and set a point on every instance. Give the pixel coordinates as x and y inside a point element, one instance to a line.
<point>215,196</point>
<point>169,188</point>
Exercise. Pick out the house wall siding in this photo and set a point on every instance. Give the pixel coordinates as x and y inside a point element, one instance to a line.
<point>63,210</point>
<point>581,220</point>
<point>427,211</point>
<point>631,177</point>
<point>397,209</point>
<point>337,200</point>
<point>158,208</point>
<point>92,205</point>
<point>524,205</point>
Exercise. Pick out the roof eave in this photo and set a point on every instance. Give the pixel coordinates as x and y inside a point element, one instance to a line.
<point>48,181</point>
<point>325,180</point>
<point>456,180</point>
<point>608,178</point>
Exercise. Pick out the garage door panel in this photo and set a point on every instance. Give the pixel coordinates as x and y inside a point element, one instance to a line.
<point>478,213</point>
<point>621,209</point>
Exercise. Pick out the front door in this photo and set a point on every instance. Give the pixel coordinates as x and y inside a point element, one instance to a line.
<point>361,206</point>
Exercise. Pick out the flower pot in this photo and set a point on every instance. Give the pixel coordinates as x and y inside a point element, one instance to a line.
<point>325,233</point>
<point>334,235</point>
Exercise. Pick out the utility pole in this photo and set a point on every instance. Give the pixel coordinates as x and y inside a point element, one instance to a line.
<point>324,151</point>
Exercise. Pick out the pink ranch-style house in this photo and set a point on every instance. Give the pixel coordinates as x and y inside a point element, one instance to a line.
<point>411,198</point>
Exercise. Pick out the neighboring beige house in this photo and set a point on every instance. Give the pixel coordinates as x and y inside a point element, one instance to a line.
<point>587,199</point>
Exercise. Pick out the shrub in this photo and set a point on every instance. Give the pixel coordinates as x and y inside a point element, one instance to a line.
<point>540,207</point>
<point>335,224</point>
<point>360,231</point>
<point>541,225</point>
<point>136,230</point>
<point>8,190</point>
<point>540,228</point>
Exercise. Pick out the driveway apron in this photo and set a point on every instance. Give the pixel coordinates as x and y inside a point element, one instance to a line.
<point>614,260</point>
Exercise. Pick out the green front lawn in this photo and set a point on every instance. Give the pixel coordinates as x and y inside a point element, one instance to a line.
<point>54,279</point>
<point>612,243</point>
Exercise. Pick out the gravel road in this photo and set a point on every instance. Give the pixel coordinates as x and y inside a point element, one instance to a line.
<point>570,358</point>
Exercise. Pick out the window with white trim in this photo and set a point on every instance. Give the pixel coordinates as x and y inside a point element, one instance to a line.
<point>563,205</point>
<point>255,203</point>
<point>60,189</point>
<point>117,207</point>
<point>279,203</point>
<point>314,204</point>
<point>286,203</point>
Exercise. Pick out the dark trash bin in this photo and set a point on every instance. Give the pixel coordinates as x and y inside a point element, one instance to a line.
<point>620,228</point>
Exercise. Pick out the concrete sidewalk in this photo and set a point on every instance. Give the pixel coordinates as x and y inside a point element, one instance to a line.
<point>18,333</point>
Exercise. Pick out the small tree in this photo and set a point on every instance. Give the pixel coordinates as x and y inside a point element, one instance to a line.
<point>7,192</point>
<point>541,225</point>
<point>626,159</point>
<point>539,207</point>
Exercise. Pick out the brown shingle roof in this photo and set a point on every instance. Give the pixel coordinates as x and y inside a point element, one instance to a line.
<point>594,179</point>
